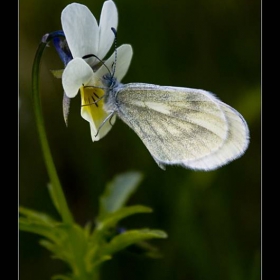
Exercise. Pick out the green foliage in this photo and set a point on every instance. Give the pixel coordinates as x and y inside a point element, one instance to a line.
<point>84,249</point>
<point>118,191</point>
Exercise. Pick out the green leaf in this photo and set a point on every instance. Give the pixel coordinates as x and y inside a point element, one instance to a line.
<point>39,223</point>
<point>143,248</point>
<point>118,191</point>
<point>92,263</point>
<point>130,237</point>
<point>111,219</point>
<point>57,73</point>
<point>47,231</point>
<point>84,249</point>
<point>35,216</point>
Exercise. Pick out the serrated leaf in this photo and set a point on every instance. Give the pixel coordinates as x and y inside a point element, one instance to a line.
<point>37,228</point>
<point>35,216</point>
<point>91,265</point>
<point>130,237</point>
<point>111,219</point>
<point>118,191</point>
<point>48,244</point>
<point>71,246</point>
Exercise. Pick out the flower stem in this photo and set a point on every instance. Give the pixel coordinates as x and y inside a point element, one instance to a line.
<point>60,202</point>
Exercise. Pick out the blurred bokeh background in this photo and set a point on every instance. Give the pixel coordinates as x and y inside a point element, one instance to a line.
<point>213,219</point>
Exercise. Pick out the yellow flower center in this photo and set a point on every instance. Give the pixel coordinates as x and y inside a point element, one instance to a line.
<point>92,110</point>
<point>93,102</point>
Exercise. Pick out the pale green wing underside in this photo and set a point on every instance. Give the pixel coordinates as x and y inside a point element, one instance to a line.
<point>183,126</point>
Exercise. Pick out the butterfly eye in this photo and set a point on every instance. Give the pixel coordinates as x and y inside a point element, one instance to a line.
<point>109,81</point>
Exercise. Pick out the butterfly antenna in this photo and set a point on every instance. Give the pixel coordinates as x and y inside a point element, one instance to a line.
<point>115,62</point>
<point>93,55</point>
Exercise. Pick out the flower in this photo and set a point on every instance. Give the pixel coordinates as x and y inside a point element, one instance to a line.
<point>86,41</point>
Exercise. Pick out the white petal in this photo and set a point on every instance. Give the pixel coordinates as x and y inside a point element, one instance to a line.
<point>95,124</point>
<point>81,30</point>
<point>108,19</point>
<point>124,56</point>
<point>76,74</point>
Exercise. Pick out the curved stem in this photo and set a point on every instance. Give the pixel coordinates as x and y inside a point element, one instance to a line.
<point>58,195</point>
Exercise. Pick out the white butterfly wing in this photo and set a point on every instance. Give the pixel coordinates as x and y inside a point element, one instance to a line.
<point>234,146</point>
<point>183,126</point>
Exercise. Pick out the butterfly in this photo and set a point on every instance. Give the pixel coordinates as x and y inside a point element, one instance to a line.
<point>179,126</point>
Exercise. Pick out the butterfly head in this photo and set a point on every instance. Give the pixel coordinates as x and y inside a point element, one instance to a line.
<point>109,80</point>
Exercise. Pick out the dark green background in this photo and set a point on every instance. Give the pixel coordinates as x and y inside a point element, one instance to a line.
<point>213,218</point>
